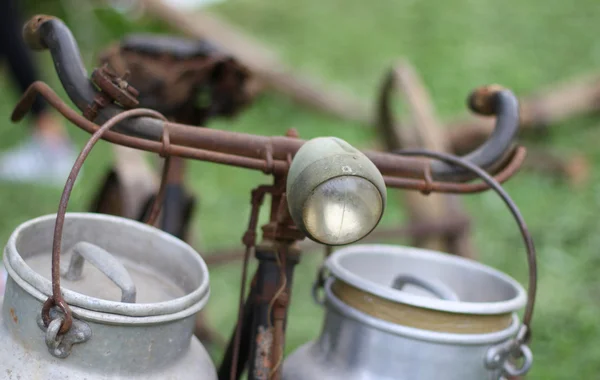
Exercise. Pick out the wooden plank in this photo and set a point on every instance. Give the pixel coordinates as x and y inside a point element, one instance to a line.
<point>425,131</point>
<point>271,73</point>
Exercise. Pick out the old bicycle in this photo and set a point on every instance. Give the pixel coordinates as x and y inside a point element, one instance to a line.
<point>323,189</point>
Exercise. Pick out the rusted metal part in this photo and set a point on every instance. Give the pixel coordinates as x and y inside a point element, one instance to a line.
<point>449,226</point>
<point>160,196</point>
<point>426,132</point>
<point>100,101</point>
<point>255,146</point>
<point>262,360</point>
<point>116,87</point>
<point>249,241</point>
<point>65,52</point>
<point>277,258</point>
<point>134,142</point>
<point>274,276</point>
<point>278,307</point>
<point>459,188</point>
<point>268,70</point>
<point>279,315</point>
<point>241,149</point>
<point>112,89</point>
<point>188,81</point>
<point>71,71</point>
<point>57,299</point>
<point>246,341</point>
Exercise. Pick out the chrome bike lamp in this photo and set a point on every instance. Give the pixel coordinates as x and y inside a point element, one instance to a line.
<point>336,195</point>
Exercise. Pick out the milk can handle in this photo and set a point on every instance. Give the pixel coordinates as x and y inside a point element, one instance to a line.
<point>109,265</point>
<point>517,347</point>
<point>439,289</point>
<point>56,299</point>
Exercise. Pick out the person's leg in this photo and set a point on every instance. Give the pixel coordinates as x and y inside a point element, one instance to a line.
<point>48,154</point>
<point>16,52</point>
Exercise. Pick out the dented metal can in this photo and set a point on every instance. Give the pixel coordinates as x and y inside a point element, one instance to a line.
<point>134,292</point>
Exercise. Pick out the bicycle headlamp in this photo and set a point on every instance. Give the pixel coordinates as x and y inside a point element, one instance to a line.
<point>336,195</point>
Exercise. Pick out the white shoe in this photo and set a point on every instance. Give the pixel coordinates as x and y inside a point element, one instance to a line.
<point>38,161</point>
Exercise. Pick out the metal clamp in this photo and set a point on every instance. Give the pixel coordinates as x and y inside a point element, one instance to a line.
<point>115,87</point>
<point>60,345</point>
<point>106,263</point>
<point>438,288</point>
<point>503,357</point>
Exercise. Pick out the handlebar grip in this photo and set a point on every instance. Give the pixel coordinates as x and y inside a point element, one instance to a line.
<point>489,100</point>
<point>47,32</point>
<point>492,100</point>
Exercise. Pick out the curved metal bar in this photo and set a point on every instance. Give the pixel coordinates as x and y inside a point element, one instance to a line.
<point>490,100</point>
<point>399,171</point>
<point>514,210</point>
<point>47,32</point>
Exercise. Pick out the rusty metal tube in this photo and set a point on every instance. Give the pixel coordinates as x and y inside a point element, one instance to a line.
<point>396,168</point>
<point>47,32</point>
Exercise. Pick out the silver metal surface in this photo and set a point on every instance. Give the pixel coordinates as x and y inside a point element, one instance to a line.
<point>354,345</point>
<point>499,357</point>
<point>437,288</point>
<point>482,290</point>
<point>151,257</point>
<point>60,345</point>
<point>106,263</point>
<point>152,339</point>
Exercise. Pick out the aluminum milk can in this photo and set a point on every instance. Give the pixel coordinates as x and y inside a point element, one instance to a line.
<point>404,313</point>
<point>133,291</point>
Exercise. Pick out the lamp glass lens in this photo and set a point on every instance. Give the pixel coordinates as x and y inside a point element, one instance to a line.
<point>342,210</point>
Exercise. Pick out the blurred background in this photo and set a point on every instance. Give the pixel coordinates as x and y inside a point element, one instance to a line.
<point>455,46</point>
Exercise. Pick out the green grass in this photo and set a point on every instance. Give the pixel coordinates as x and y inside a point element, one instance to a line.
<point>456,46</point>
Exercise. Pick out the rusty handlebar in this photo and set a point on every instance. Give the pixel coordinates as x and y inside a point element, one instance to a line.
<point>268,153</point>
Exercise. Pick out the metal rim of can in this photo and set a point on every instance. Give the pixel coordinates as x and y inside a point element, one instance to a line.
<point>419,334</point>
<point>337,270</point>
<point>100,310</point>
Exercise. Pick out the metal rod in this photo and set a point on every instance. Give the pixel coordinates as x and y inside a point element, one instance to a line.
<point>384,160</point>
<point>57,299</point>
<point>227,370</point>
<point>446,226</point>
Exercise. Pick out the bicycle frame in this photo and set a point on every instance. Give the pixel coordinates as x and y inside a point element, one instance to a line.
<point>259,337</point>
<point>181,70</point>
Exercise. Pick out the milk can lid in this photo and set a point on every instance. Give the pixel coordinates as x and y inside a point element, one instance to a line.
<point>427,279</point>
<point>111,267</point>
